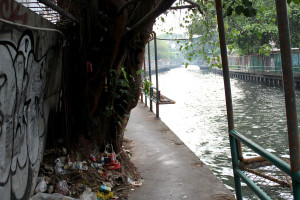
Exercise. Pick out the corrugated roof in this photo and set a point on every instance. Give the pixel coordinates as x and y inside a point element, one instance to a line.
<point>45,11</point>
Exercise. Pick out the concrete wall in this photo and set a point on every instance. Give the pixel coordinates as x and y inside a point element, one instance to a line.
<point>30,82</point>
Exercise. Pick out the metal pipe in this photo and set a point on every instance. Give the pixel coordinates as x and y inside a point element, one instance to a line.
<point>58,9</point>
<point>289,90</point>
<point>225,68</point>
<point>226,75</point>
<point>259,192</point>
<point>149,60</point>
<point>233,142</point>
<point>151,95</point>
<point>157,104</point>
<point>142,101</point>
<point>253,159</point>
<point>261,151</point>
<point>146,101</point>
<point>235,166</point>
<point>156,75</point>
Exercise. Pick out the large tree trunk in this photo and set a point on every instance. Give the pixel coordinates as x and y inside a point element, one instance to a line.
<point>106,52</point>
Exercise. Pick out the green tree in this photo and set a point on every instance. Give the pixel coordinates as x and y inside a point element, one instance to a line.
<point>251,28</point>
<point>163,50</point>
<point>294,19</point>
<point>257,32</point>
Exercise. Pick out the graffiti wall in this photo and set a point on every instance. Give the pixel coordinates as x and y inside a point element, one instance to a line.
<point>30,78</point>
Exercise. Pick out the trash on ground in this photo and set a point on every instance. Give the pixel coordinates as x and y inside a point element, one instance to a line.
<point>64,150</point>
<point>82,175</point>
<point>62,187</point>
<point>105,196</point>
<point>59,167</point>
<point>113,166</point>
<point>135,183</point>
<point>41,187</point>
<point>88,196</point>
<point>55,196</point>
<point>51,189</point>
<point>104,188</point>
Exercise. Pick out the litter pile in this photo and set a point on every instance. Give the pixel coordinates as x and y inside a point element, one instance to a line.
<point>103,176</point>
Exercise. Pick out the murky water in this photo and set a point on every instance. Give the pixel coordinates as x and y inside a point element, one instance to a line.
<point>199,116</point>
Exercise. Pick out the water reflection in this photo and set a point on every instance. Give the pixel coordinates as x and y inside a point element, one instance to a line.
<point>199,115</point>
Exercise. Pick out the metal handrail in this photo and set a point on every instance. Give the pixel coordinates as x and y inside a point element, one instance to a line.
<point>157,96</point>
<point>236,138</point>
<point>153,37</point>
<point>259,192</point>
<point>150,96</point>
<point>282,165</point>
<point>276,161</point>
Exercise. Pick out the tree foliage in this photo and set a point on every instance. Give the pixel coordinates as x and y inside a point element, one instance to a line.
<point>251,28</point>
<point>259,33</point>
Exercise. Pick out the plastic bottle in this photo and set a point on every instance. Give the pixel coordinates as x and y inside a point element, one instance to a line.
<point>102,161</point>
<point>59,167</point>
<point>97,165</point>
<point>93,158</point>
<point>104,188</point>
<point>69,161</point>
<point>112,158</point>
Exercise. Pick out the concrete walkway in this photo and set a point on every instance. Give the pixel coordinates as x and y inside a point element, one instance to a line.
<point>169,169</point>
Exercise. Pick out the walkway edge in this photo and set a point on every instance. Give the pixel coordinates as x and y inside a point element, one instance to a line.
<point>169,168</point>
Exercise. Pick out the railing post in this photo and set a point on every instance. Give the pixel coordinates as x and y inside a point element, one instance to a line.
<point>149,60</point>
<point>151,95</point>
<point>157,103</point>
<point>156,75</point>
<point>146,100</point>
<point>289,91</point>
<point>149,64</point>
<point>233,142</point>
<point>142,97</point>
<point>142,100</point>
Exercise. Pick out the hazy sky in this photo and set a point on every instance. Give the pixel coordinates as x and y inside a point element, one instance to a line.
<point>171,20</point>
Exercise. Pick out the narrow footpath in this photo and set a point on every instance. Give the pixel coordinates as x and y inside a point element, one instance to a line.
<point>169,168</point>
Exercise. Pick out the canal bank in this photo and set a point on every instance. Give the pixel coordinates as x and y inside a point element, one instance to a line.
<point>170,170</point>
<point>268,78</point>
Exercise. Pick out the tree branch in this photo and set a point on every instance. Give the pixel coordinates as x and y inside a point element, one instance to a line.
<point>126,5</point>
<point>182,7</point>
<point>195,4</point>
<point>150,17</point>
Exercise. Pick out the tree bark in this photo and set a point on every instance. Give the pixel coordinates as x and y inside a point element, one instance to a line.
<point>107,50</point>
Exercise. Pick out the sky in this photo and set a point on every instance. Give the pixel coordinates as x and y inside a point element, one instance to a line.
<point>171,20</point>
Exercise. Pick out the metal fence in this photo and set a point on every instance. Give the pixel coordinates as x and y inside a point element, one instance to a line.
<point>262,64</point>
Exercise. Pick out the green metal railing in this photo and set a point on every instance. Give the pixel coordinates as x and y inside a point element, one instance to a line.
<point>153,97</point>
<point>269,70</point>
<point>263,63</point>
<point>278,162</point>
<point>237,139</point>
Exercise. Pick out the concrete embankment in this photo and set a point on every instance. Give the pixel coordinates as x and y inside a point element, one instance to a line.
<point>169,168</point>
<point>268,78</point>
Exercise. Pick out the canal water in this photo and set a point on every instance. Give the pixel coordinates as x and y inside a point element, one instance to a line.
<point>199,116</point>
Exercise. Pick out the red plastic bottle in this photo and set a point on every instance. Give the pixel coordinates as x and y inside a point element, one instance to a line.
<point>112,158</point>
<point>92,157</point>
